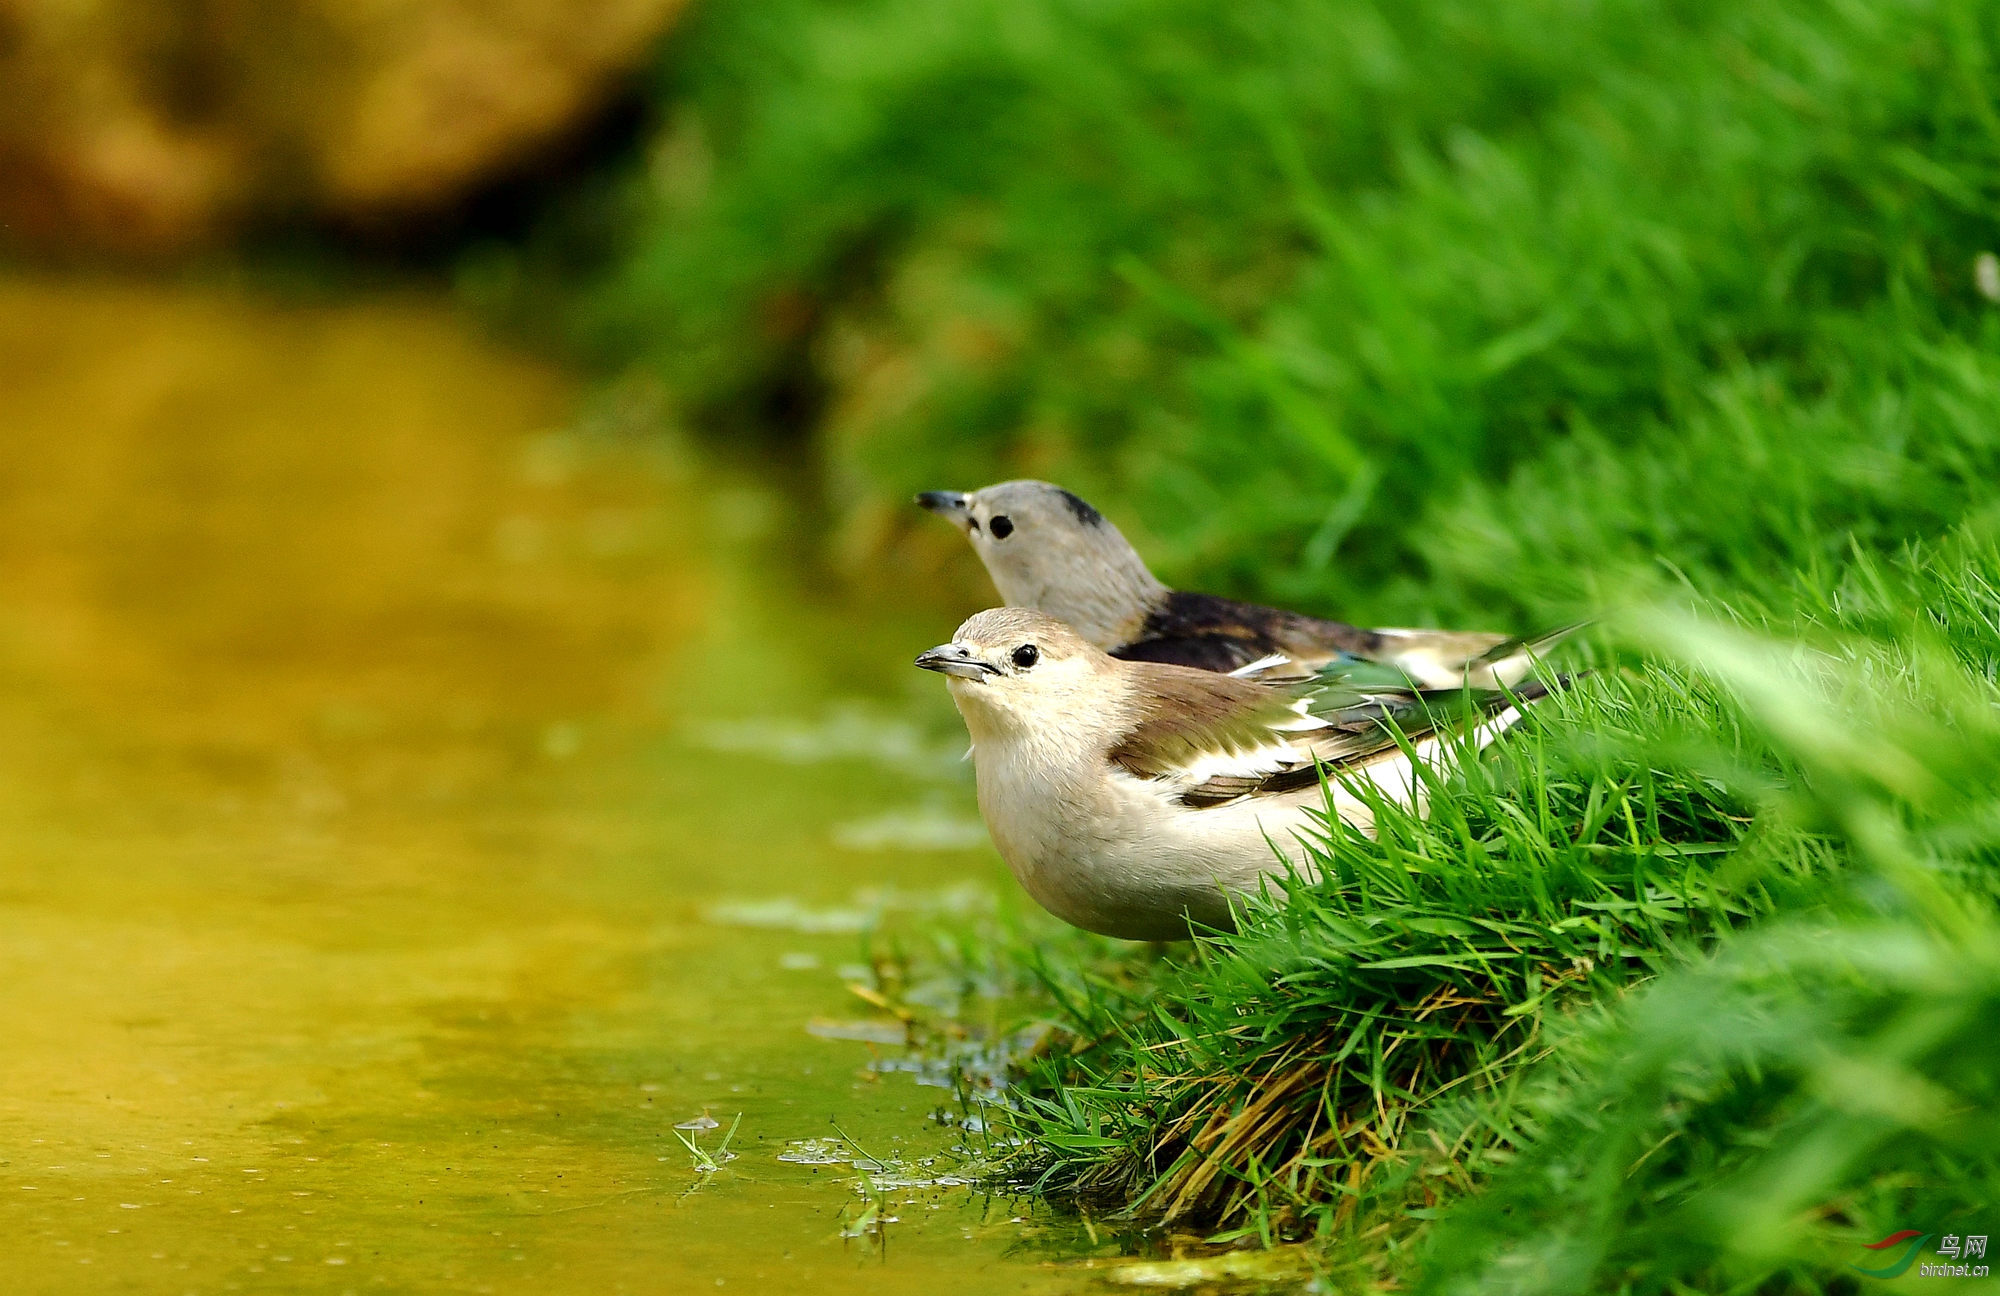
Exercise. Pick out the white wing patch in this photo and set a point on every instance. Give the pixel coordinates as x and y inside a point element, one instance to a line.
<point>1390,769</point>
<point>1253,763</point>
<point>1304,720</point>
<point>1282,752</point>
<point>1250,670</point>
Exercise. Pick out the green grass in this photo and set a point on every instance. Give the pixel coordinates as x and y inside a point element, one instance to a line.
<point>1664,313</point>
<point>1304,288</point>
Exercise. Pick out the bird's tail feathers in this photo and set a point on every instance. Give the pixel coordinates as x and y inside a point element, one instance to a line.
<point>1510,663</point>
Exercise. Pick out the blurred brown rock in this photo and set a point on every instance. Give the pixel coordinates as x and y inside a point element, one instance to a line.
<point>149,126</point>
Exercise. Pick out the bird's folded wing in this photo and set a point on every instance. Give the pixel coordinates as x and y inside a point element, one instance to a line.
<point>1217,749</point>
<point>1513,661</point>
<point>1430,659</point>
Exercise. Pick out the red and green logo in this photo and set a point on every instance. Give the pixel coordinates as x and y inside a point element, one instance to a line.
<point>1909,1239</point>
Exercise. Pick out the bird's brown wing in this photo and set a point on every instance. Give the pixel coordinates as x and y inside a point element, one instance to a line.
<point>1352,738</point>
<point>1185,718</point>
<point>1216,739</point>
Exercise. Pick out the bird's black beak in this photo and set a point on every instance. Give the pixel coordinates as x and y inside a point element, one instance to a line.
<point>952,506</point>
<point>957,661</point>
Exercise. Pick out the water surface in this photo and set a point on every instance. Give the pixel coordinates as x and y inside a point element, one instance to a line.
<point>384,725</point>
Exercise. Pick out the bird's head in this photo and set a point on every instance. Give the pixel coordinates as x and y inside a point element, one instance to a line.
<point>1047,549</point>
<point>1016,667</point>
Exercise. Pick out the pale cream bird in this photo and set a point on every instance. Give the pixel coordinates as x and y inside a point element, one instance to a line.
<point>1132,798</point>
<point>1047,549</point>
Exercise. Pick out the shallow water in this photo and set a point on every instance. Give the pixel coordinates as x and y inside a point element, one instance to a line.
<point>421,788</point>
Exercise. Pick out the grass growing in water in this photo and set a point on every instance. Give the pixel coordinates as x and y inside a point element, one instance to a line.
<point>704,1161</point>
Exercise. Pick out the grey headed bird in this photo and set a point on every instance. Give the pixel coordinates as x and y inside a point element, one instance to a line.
<point>1047,549</point>
<point>1132,797</point>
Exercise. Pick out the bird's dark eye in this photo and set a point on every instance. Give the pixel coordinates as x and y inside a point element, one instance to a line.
<point>1026,655</point>
<point>1001,526</point>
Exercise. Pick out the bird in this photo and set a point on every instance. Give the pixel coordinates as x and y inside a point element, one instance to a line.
<point>1138,798</point>
<point>1045,548</point>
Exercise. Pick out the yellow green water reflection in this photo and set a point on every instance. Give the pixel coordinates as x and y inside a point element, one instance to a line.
<point>378,721</point>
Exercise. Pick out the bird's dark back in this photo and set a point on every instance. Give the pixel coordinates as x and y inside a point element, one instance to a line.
<point>1219,634</point>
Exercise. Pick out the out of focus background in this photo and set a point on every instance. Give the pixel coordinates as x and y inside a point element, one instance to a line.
<point>164,130</point>
<point>1340,303</point>
<point>457,581</point>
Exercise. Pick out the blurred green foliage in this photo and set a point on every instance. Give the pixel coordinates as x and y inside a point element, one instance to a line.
<point>1348,301</point>
<point>1475,314</point>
